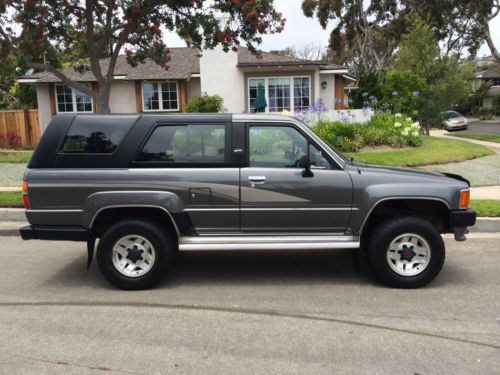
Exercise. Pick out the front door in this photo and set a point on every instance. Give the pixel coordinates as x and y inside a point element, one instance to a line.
<point>275,197</point>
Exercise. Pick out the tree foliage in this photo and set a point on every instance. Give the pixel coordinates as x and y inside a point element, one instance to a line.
<point>94,29</point>
<point>441,81</point>
<point>367,32</point>
<point>364,36</point>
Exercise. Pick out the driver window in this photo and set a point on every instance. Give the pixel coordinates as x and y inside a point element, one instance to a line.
<point>276,146</point>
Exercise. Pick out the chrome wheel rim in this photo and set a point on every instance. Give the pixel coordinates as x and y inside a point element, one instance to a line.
<point>409,254</point>
<point>133,255</point>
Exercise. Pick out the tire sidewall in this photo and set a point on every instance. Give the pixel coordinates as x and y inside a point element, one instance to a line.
<point>380,243</point>
<point>160,242</point>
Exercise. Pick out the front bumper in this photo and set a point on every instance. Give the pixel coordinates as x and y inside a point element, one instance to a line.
<point>460,220</point>
<point>54,233</point>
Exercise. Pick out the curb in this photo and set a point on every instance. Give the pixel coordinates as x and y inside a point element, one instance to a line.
<point>483,224</point>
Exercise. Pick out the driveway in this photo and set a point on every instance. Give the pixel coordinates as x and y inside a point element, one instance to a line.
<point>248,313</point>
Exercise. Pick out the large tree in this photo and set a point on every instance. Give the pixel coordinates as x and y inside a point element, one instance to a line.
<point>461,24</point>
<point>369,31</point>
<point>94,29</point>
<point>365,35</point>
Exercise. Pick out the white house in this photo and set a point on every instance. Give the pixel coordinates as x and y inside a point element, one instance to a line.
<point>290,83</point>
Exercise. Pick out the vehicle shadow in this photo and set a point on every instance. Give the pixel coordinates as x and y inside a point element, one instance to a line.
<point>250,268</point>
<point>222,267</point>
<point>265,267</point>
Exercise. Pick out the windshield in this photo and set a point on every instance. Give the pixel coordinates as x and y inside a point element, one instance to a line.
<point>451,114</point>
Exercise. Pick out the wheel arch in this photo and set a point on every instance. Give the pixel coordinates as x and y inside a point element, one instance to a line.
<point>434,210</point>
<point>109,215</point>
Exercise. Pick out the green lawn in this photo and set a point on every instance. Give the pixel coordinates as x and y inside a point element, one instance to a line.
<point>486,207</point>
<point>480,137</point>
<point>433,151</point>
<point>15,157</point>
<point>11,199</point>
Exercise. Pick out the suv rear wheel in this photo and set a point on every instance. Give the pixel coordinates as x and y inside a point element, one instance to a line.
<point>134,254</point>
<point>405,252</point>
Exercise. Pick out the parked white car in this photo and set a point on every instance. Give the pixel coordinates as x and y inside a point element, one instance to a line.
<point>454,121</point>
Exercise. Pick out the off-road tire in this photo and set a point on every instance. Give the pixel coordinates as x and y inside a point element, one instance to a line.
<point>161,241</point>
<point>380,238</point>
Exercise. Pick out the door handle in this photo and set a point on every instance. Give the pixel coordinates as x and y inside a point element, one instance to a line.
<point>256,180</point>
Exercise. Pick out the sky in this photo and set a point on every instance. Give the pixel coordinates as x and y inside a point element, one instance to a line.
<point>300,30</point>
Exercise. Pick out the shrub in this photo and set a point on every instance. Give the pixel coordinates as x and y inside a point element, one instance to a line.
<point>486,113</point>
<point>205,104</point>
<point>383,129</point>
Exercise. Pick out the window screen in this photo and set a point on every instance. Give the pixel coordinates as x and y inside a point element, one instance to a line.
<point>95,136</point>
<point>185,144</point>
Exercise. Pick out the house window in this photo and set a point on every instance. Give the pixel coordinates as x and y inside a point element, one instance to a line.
<point>253,91</point>
<point>69,99</point>
<point>160,96</point>
<point>282,93</point>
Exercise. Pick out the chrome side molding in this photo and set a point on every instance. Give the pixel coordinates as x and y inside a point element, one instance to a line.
<point>214,243</point>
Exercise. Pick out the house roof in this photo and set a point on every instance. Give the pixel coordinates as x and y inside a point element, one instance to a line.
<point>183,62</point>
<point>248,59</point>
<point>487,74</point>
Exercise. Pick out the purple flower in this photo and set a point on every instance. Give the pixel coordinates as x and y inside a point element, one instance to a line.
<point>384,104</point>
<point>389,111</point>
<point>415,93</point>
<point>224,110</point>
<point>364,95</point>
<point>395,93</point>
<point>337,101</point>
<point>373,99</point>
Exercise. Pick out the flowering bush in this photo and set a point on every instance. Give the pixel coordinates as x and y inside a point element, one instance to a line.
<point>395,130</point>
<point>10,140</point>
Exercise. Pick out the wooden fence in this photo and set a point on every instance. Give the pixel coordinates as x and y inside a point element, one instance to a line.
<point>19,128</point>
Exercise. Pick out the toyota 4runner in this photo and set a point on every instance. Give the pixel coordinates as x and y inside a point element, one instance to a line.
<point>147,186</point>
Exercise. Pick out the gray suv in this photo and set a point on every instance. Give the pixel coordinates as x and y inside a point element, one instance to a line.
<point>147,186</point>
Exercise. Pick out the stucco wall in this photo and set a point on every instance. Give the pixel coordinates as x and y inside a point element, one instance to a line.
<point>43,98</point>
<point>122,97</point>
<point>328,94</point>
<point>193,88</point>
<point>221,76</point>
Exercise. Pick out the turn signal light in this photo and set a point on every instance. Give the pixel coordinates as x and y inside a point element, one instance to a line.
<point>464,198</point>
<point>25,195</point>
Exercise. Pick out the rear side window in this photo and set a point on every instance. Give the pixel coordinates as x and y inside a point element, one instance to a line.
<point>95,137</point>
<point>186,144</point>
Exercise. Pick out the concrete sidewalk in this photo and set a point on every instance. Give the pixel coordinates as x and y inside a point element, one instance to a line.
<point>444,134</point>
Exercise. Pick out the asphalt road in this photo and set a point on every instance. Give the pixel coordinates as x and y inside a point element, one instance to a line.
<point>248,313</point>
<point>483,127</point>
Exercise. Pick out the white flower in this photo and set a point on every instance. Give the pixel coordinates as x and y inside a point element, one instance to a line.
<point>405,131</point>
<point>408,119</point>
<point>414,133</point>
<point>397,124</point>
<point>397,115</point>
<point>415,125</point>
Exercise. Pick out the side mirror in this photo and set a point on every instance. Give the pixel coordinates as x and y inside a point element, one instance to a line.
<point>305,163</point>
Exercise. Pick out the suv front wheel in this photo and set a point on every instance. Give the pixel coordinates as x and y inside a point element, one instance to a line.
<point>405,252</point>
<point>134,254</point>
